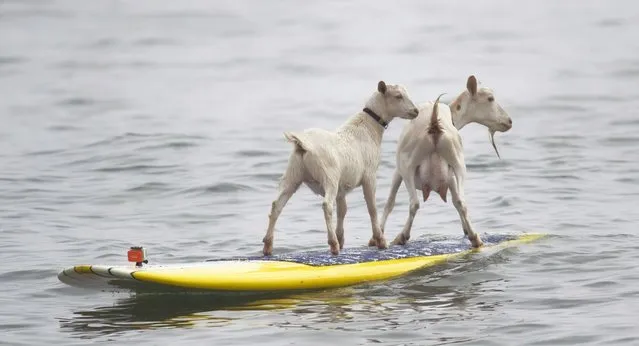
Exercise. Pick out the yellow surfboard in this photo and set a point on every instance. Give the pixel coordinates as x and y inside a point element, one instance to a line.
<point>295,271</point>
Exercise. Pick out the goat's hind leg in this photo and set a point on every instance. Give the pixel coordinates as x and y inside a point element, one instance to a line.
<point>459,201</point>
<point>403,237</point>
<point>276,209</point>
<point>454,155</point>
<point>289,184</point>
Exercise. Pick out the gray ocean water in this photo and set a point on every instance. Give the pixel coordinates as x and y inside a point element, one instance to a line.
<point>160,123</point>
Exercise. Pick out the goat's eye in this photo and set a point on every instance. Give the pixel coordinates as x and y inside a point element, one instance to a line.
<point>399,97</point>
<point>491,99</point>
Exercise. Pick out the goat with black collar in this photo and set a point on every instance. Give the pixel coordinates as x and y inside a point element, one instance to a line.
<point>333,163</point>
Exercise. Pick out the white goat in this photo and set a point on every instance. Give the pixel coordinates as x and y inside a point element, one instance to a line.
<point>430,154</point>
<point>332,164</point>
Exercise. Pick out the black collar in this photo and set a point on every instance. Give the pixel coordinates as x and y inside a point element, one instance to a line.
<point>376,117</point>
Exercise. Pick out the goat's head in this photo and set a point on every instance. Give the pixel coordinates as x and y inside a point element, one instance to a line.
<point>478,104</point>
<point>397,101</point>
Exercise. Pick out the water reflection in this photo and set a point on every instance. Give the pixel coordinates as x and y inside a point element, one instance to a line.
<point>185,310</point>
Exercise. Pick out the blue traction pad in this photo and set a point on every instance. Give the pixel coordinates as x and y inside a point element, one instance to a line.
<point>417,248</point>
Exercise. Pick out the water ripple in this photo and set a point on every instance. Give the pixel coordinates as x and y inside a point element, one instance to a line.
<point>223,187</point>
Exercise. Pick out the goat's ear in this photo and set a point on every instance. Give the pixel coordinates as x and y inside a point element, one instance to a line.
<point>471,85</point>
<point>381,87</point>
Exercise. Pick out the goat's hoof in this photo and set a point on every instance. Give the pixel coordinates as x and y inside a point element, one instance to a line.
<point>381,243</point>
<point>372,242</point>
<point>268,246</point>
<point>334,247</point>
<point>400,239</point>
<point>476,241</point>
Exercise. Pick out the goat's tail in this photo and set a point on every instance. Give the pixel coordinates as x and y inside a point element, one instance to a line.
<point>434,127</point>
<point>301,146</point>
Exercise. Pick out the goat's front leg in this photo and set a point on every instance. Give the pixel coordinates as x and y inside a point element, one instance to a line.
<point>327,206</point>
<point>457,192</point>
<point>341,214</point>
<point>369,186</point>
<point>390,203</point>
<point>288,189</point>
<point>409,182</point>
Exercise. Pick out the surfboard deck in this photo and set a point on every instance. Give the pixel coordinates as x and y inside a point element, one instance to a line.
<point>286,272</point>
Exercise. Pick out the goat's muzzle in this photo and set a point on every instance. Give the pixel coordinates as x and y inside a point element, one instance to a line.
<point>508,125</point>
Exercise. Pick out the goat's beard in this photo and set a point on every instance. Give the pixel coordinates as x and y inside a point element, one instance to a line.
<point>492,141</point>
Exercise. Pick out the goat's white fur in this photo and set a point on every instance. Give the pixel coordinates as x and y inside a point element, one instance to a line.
<point>332,164</point>
<point>426,163</point>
